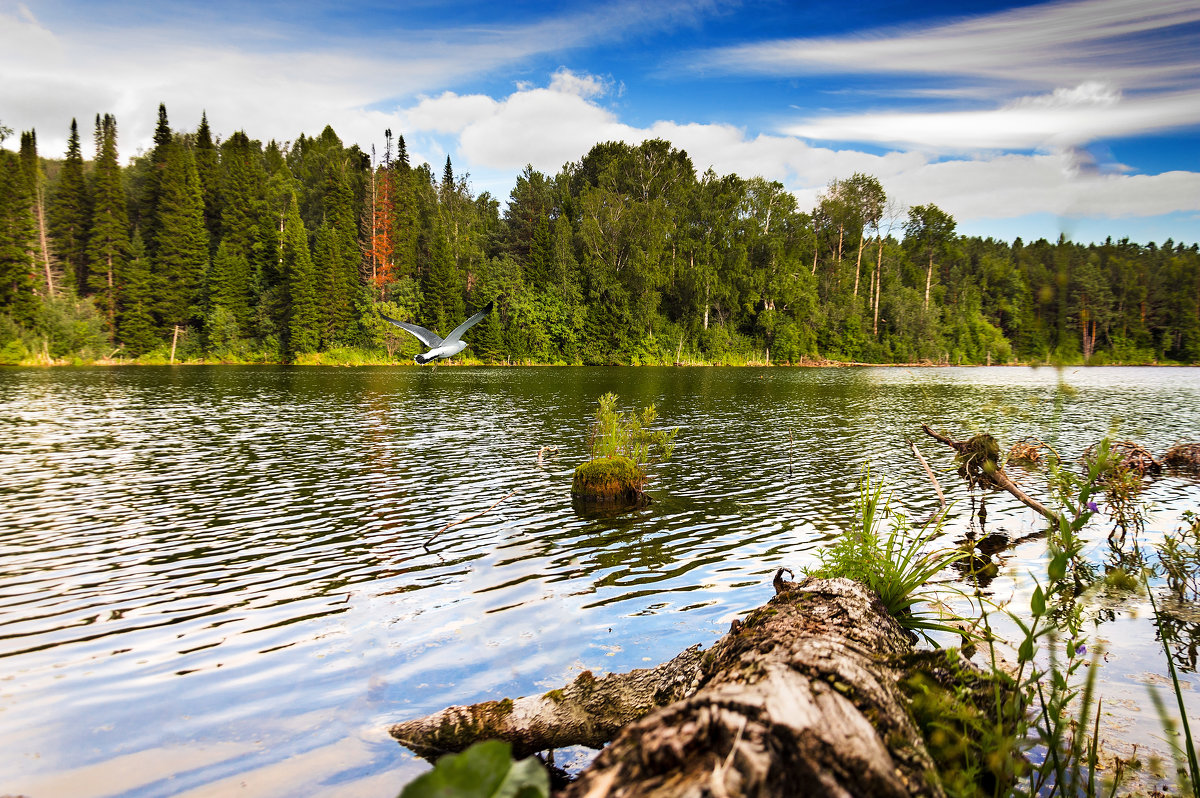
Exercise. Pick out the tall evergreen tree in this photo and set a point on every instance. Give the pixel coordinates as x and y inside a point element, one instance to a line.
<point>441,286</point>
<point>108,241</point>
<point>246,227</point>
<point>17,242</point>
<point>181,260</point>
<point>35,179</point>
<point>70,209</point>
<point>303,317</point>
<point>208,169</point>
<point>135,318</point>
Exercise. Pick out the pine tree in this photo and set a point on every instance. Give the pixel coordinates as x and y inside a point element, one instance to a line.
<point>35,180</point>
<point>441,286</point>
<point>246,225</point>
<point>70,209</point>
<point>208,169</point>
<point>17,237</point>
<point>135,318</point>
<point>228,285</point>
<point>181,259</point>
<point>338,263</point>
<point>405,228</point>
<point>303,317</point>
<point>108,242</point>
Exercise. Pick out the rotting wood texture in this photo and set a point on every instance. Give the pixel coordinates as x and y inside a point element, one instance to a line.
<point>800,699</point>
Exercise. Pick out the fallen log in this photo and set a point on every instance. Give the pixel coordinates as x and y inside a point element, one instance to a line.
<point>803,697</point>
<point>588,711</point>
<point>979,463</point>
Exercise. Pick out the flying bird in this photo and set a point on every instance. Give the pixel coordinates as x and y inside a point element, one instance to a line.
<point>446,347</point>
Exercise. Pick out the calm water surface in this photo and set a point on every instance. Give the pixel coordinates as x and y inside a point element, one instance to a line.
<point>215,579</point>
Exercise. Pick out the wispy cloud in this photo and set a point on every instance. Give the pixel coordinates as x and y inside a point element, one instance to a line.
<point>265,70</point>
<point>1125,43</point>
<point>1067,117</point>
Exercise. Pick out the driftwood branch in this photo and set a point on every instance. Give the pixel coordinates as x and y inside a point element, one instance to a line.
<point>467,518</point>
<point>588,711</point>
<point>929,471</point>
<point>989,472</point>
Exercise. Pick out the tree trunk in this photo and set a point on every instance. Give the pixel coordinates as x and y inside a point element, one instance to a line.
<point>928,280</point>
<point>862,240</point>
<point>878,280</point>
<point>40,208</point>
<point>801,698</point>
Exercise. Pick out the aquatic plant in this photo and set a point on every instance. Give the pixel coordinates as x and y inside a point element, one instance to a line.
<point>896,565</point>
<point>622,446</point>
<point>630,434</point>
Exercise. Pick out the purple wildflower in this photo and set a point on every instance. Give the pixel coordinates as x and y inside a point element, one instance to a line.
<point>1080,650</point>
<point>1092,506</point>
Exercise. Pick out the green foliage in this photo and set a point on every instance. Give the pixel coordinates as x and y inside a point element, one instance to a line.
<point>897,565</point>
<point>627,256</point>
<point>971,720</point>
<point>629,434</point>
<point>485,770</point>
<point>1179,559</point>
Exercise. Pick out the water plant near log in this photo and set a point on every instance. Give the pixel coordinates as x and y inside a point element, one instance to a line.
<point>622,447</point>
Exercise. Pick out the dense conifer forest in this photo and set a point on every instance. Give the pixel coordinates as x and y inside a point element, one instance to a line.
<point>236,251</point>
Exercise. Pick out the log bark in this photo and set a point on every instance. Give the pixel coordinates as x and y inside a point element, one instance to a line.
<point>994,476</point>
<point>800,699</point>
<point>589,711</point>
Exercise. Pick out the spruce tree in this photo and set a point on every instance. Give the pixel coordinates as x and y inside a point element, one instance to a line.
<point>70,209</point>
<point>181,260</point>
<point>135,318</point>
<point>208,168</point>
<point>245,226</point>
<point>17,235</point>
<point>339,282</point>
<point>441,289</point>
<point>108,242</point>
<point>302,315</point>
<point>35,181</point>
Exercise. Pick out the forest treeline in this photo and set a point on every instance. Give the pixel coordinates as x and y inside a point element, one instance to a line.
<point>236,251</point>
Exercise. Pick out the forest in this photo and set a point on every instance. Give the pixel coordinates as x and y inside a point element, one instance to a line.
<point>203,250</point>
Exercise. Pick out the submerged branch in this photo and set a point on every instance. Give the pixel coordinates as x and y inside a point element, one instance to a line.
<point>986,469</point>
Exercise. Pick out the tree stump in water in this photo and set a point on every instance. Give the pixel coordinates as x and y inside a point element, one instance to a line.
<point>803,698</point>
<point>612,481</point>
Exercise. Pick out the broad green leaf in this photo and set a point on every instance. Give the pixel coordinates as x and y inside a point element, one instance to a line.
<point>485,770</point>
<point>1058,566</point>
<point>1038,603</point>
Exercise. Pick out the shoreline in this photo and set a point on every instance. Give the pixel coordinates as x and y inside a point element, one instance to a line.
<point>63,363</point>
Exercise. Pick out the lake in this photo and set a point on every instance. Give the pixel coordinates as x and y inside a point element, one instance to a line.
<point>218,579</point>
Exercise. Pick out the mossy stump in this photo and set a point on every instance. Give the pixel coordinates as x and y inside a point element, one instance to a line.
<point>609,480</point>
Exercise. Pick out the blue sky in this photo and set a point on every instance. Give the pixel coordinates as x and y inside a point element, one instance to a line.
<point>1020,119</point>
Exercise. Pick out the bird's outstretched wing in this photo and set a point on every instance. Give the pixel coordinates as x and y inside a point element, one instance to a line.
<point>428,337</point>
<point>458,331</point>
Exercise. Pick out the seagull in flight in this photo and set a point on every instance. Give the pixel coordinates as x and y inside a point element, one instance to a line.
<point>446,347</point>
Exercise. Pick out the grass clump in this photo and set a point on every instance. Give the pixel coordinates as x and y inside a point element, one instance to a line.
<point>895,564</point>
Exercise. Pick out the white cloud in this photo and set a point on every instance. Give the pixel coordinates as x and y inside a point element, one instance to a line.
<point>1127,43</point>
<point>547,128</point>
<point>1067,117</point>
<point>271,77</point>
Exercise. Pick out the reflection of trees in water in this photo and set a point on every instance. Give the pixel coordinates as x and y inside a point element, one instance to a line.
<point>1180,625</point>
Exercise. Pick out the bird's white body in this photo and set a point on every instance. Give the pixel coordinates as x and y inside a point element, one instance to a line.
<point>441,348</point>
